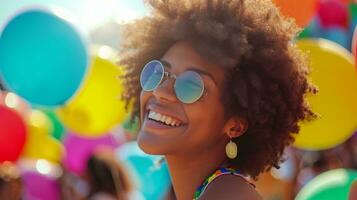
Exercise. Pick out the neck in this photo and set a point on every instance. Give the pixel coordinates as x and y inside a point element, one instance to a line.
<point>188,172</point>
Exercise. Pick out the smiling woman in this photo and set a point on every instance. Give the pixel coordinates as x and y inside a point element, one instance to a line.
<point>219,88</point>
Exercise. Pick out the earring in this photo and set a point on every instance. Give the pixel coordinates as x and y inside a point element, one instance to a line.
<point>231,149</point>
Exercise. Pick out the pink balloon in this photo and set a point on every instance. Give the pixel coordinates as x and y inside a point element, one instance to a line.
<point>80,148</point>
<point>333,13</point>
<point>40,187</point>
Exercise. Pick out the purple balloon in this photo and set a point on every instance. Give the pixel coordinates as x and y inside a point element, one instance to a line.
<point>40,187</point>
<point>80,148</point>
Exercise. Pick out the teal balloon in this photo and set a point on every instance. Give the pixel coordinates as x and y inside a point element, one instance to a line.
<point>152,177</point>
<point>43,57</point>
<point>330,185</point>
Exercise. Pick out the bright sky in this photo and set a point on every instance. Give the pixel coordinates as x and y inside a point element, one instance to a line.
<point>89,13</point>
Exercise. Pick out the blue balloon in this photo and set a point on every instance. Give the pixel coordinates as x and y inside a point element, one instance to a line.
<point>153,178</point>
<point>351,30</point>
<point>43,58</point>
<point>338,35</point>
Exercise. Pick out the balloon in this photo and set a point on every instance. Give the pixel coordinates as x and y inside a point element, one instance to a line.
<point>334,74</point>
<point>330,185</point>
<point>152,178</point>
<point>352,8</point>
<point>39,123</point>
<point>40,187</point>
<point>42,57</point>
<point>338,35</point>
<point>301,11</point>
<point>81,148</point>
<point>354,44</point>
<point>13,101</point>
<point>58,129</point>
<point>314,29</point>
<point>131,126</point>
<point>43,147</point>
<point>40,144</point>
<point>97,107</point>
<point>333,13</point>
<point>12,134</point>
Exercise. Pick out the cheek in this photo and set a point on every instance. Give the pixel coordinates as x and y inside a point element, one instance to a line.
<point>206,119</point>
<point>144,96</point>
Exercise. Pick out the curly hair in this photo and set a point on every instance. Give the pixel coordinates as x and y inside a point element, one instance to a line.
<point>266,74</point>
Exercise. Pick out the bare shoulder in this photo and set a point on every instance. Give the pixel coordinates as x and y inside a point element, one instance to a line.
<point>230,187</point>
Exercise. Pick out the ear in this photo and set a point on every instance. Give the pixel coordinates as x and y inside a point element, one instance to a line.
<point>235,127</point>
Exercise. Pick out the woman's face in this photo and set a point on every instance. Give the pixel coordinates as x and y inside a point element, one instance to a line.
<point>197,126</point>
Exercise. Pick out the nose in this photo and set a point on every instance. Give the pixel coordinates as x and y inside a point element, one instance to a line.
<point>165,91</point>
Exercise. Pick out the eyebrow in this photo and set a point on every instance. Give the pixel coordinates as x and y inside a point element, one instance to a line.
<point>167,64</point>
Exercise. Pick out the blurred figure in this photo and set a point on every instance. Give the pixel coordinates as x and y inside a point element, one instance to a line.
<point>353,191</point>
<point>10,182</point>
<point>107,178</point>
<point>73,187</point>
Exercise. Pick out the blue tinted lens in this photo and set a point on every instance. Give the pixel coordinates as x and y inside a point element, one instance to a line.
<point>189,87</point>
<point>151,75</point>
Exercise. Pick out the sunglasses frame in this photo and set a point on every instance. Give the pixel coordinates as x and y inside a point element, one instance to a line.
<point>169,75</point>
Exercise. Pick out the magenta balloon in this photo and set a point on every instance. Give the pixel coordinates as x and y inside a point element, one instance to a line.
<point>333,13</point>
<point>40,187</point>
<point>80,148</point>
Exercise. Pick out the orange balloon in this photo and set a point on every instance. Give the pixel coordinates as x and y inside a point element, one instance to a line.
<point>301,11</point>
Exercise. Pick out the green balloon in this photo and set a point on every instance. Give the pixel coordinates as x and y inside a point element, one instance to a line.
<point>331,185</point>
<point>352,8</point>
<point>131,125</point>
<point>58,129</point>
<point>306,33</point>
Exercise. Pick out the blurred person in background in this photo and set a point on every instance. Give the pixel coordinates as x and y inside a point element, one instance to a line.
<point>73,187</point>
<point>10,182</point>
<point>107,178</point>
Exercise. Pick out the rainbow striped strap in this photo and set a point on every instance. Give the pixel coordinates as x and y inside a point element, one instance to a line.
<point>221,171</point>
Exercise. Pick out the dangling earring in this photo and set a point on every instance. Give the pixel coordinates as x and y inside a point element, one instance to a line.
<point>231,149</point>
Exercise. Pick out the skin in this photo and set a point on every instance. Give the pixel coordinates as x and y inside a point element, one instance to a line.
<point>195,149</point>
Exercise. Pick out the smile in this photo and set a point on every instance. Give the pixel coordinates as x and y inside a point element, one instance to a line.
<point>164,119</point>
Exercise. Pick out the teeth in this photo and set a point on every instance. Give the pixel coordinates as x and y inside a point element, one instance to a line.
<point>158,116</point>
<point>163,118</point>
<point>168,120</point>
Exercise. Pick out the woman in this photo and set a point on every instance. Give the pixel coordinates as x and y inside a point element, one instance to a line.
<point>219,88</point>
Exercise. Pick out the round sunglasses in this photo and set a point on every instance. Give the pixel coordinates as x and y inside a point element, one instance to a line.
<point>188,86</point>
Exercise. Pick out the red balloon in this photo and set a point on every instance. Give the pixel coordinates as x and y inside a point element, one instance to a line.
<point>12,134</point>
<point>333,13</point>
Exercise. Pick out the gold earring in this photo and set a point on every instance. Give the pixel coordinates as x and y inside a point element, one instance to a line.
<point>231,149</point>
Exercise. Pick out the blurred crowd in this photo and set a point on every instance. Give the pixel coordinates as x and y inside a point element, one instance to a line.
<point>107,178</point>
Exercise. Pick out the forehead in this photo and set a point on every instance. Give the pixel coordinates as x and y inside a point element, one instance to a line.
<point>182,56</point>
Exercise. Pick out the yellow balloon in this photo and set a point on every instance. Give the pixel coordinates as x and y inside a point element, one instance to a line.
<point>43,147</point>
<point>39,123</point>
<point>333,72</point>
<point>39,143</point>
<point>97,107</point>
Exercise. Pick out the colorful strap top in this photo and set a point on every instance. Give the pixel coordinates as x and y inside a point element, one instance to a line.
<point>221,171</point>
